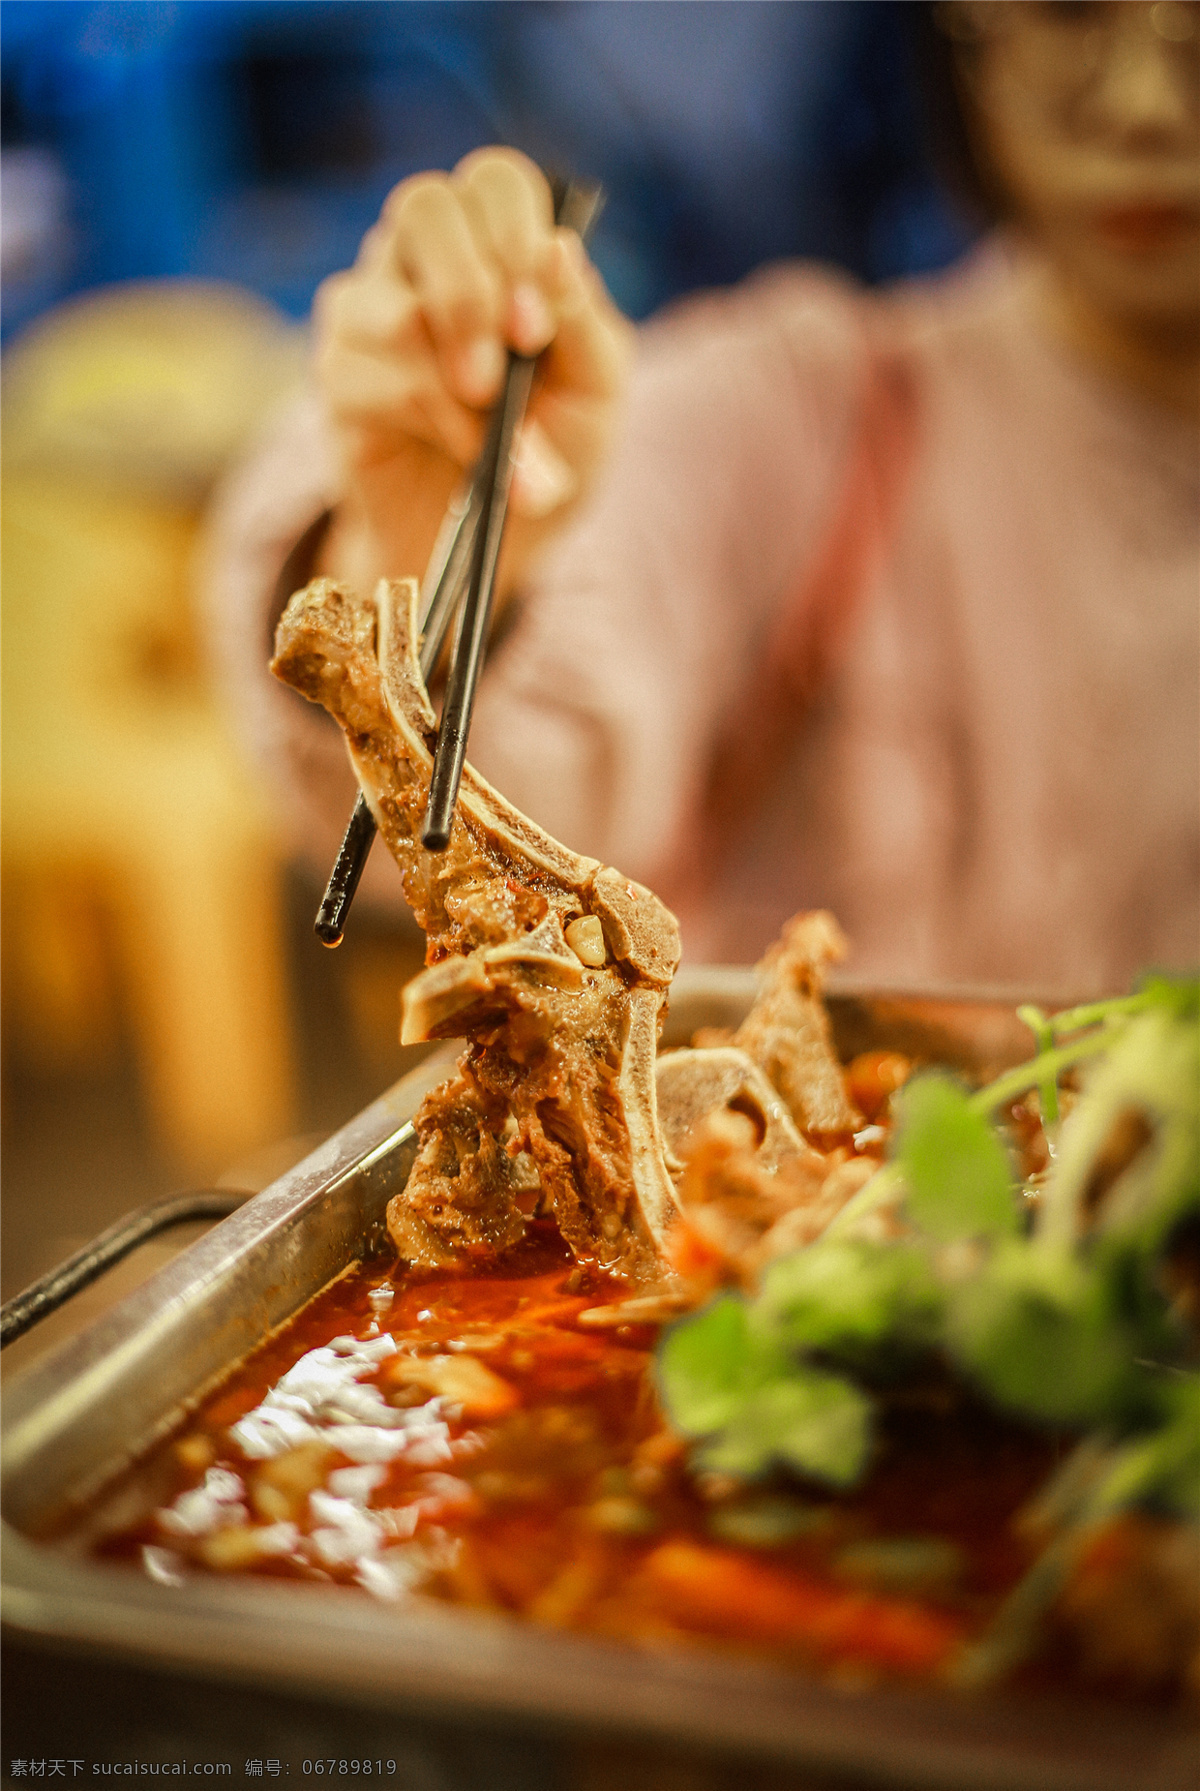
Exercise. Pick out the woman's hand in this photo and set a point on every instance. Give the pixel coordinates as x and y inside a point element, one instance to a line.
<point>411,346</point>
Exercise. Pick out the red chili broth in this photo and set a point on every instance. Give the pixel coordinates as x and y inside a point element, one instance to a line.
<point>575,1508</point>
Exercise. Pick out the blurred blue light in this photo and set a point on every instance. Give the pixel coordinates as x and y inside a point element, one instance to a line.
<point>254,140</point>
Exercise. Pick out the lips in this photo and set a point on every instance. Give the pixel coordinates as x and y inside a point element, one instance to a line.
<point>1146,228</point>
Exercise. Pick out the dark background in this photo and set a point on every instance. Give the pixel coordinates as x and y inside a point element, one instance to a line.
<point>253,140</point>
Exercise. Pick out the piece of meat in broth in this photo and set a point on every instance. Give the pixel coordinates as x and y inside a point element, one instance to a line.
<point>751,1188</point>
<point>692,1084</point>
<point>554,967</point>
<point>786,1033</point>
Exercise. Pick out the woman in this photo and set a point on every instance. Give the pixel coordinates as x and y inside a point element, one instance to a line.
<point>882,602</point>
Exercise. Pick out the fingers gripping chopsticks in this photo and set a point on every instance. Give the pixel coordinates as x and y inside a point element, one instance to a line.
<point>461,580</point>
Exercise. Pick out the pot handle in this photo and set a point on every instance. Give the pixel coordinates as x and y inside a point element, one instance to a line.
<point>55,1288</point>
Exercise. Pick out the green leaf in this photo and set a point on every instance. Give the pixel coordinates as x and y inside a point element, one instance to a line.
<point>721,1380</point>
<point>846,1297</point>
<point>1162,1468</point>
<point>953,1164</point>
<point>709,1363</point>
<point>1150,1078</point>
<point>1056,1327</point>
<point>813,1422</point>
<point>1179,995</point>
<point>1037,1331</point>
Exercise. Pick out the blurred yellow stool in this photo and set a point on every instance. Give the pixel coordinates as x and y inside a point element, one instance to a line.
<point>140,868</point>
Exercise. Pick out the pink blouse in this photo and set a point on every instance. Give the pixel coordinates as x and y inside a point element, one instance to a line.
<point>885,605</point>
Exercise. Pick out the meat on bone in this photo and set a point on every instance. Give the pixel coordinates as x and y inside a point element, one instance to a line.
<point>693,1084</point>
<point>786,1033</point>
<point>556,1089</point>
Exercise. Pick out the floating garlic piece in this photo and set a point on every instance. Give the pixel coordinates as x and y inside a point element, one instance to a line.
<point>461,1379</point>
<point>585,937</point>
<point>643,1309</point>
<point>229,1551</point>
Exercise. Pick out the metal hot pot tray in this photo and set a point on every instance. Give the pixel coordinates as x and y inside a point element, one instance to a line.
<point>76,1418</point>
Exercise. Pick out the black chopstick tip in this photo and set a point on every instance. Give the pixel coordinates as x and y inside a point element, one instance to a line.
<point>330,923</point>
<point>435,839</point>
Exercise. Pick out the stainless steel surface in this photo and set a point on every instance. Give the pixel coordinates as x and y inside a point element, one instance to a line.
<point>74,1420</point>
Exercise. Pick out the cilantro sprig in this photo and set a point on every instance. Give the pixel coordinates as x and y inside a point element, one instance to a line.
<point>1067,1321</point>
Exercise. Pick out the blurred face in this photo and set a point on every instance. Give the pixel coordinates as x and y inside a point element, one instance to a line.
<point>1089,116</point>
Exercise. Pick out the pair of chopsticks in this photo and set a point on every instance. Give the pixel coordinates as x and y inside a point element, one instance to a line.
<point>465,558</point>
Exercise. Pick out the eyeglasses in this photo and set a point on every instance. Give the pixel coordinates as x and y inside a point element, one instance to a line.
<point>1058,47</point>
